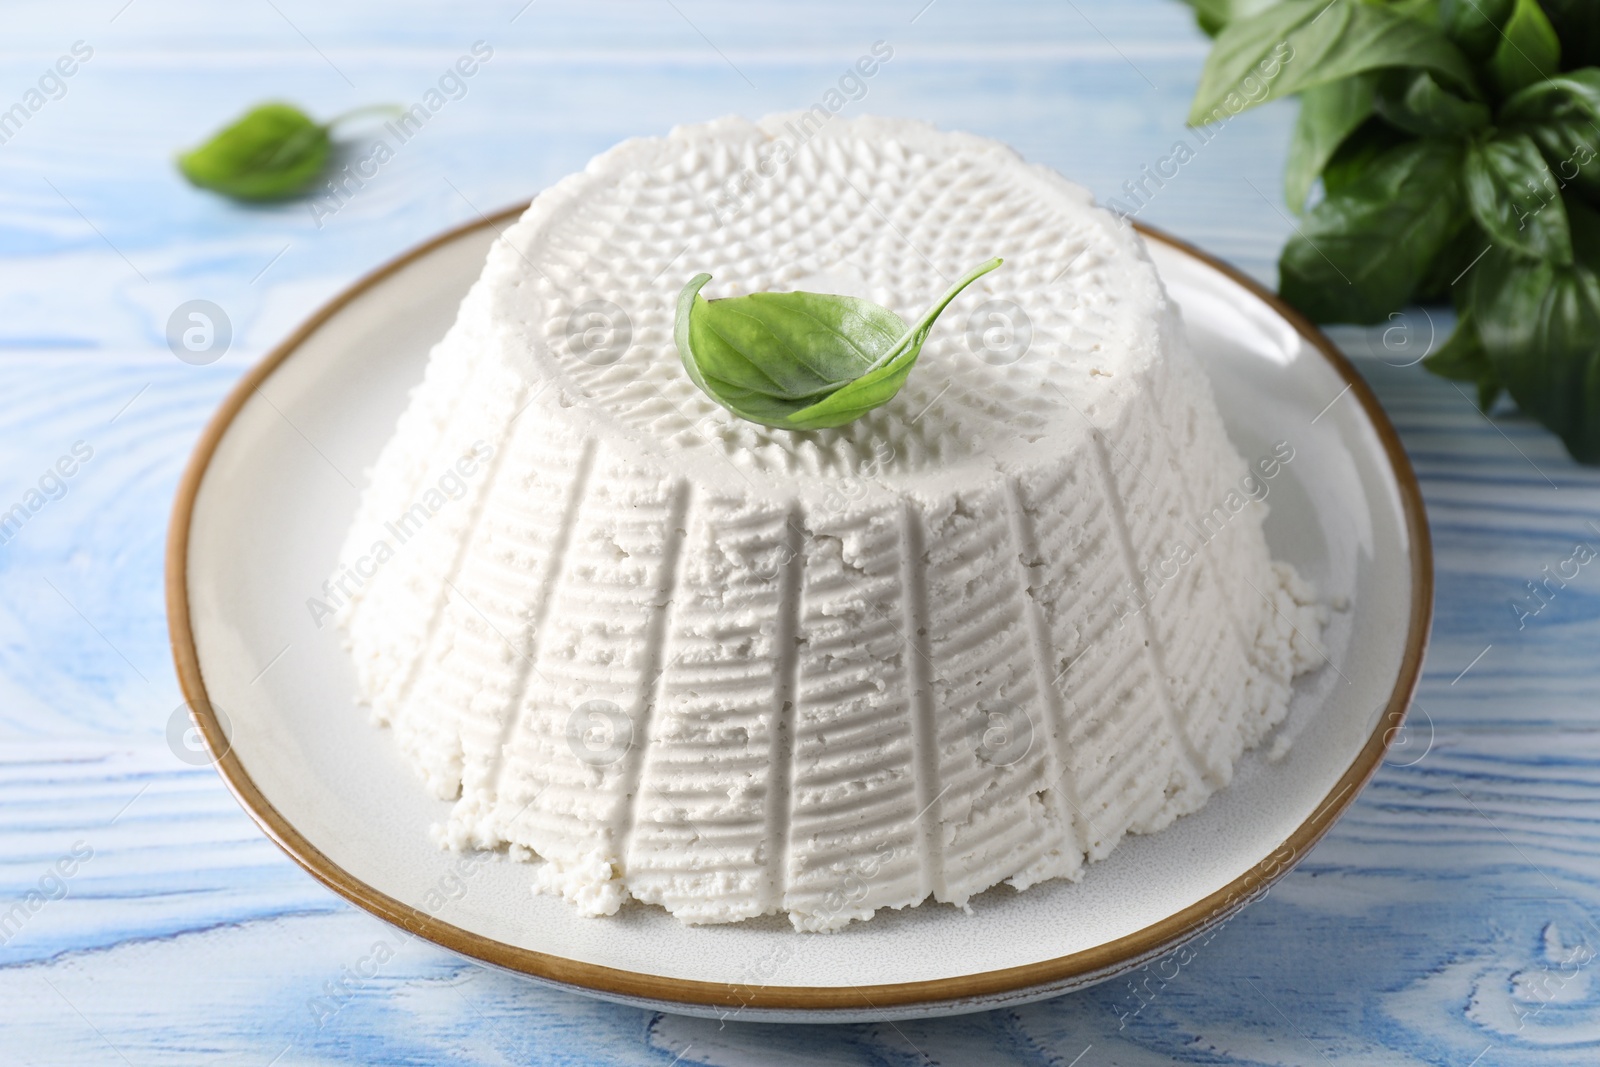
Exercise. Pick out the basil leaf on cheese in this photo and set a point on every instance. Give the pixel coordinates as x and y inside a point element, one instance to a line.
<point>800,361</point>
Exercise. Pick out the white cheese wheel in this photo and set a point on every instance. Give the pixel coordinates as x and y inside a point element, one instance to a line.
<point>975,637</point>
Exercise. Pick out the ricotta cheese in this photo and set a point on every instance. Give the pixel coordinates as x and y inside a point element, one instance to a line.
<point>975,637</point>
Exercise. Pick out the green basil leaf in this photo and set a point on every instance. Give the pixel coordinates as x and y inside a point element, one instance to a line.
<point>1474,25</point>
<point>820,343</point>
<point>1255,47</point>
<point>1577,26</point>
<point>1529,50</point>
<point>800,361</point>
<point>1421,10</point>
<point>1352,158</point>
<point>1514,197</point>
<point>1540,324</point>
<point>1443,281</point>
<point>1328,115</point>
<point>1414,102</point>
<point>1302,43</point>
<point>1362,252</point>
<point>1562,116</point>
<point>1376,38</point>
<point>1463,358</point>
<point>273,151</point>
<point>1214,15</point>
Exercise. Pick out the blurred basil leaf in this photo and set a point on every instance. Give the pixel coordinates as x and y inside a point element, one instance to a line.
<point>1577,26</point>
<point>1371,140</point>
<point>1244,46</point>
<point>1298,44</point>
<point>1540,325</point>
<point>272,152</point>
<point>1562,115</point>
<point>1443,281</point>
<point>1474,25</point>
<point>1416,103</point>
<point>1362,252</point>
<point>1514,197</point>
<point>1328,115</point>
<point>1529,50</point>
<point>1214,15</point>
<point>1462,358</point>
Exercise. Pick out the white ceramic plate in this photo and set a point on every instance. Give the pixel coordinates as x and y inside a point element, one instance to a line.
<point>274,484</point>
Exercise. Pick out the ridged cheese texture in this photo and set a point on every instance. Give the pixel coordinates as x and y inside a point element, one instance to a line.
<point>669,655</point>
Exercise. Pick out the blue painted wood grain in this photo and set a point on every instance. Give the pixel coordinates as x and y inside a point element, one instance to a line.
<point>1451,918</point>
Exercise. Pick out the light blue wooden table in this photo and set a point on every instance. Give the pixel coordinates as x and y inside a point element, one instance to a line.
<point>1453,917</point>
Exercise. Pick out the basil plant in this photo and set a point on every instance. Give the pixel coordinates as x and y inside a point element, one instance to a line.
<point>1457,147</point>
